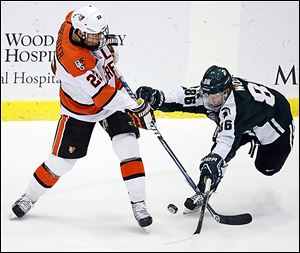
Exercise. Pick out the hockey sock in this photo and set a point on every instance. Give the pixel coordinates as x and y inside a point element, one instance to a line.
<point>46,175</point>
<point>132,168</point>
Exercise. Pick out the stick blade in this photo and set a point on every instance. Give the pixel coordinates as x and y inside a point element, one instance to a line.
<point>241,219</point>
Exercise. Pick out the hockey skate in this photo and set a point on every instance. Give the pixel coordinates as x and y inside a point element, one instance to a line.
<point>141,214</point>
<point>193,204</point>
<point>22,206</point>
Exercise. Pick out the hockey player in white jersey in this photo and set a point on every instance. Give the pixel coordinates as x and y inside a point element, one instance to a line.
<point>244,112</point>
<point>90,92</point>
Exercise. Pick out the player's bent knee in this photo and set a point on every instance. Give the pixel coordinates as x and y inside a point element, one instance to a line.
<point>126,146</point>
<point>59,166</point>
<point>267,170</point>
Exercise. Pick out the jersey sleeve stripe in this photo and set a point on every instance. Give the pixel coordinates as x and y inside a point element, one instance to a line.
<point>104,95</point>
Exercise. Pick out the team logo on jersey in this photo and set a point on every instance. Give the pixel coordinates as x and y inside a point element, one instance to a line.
<point>80,63</point>
<point>71,149</point>
<point>104,124</point>
<point>225,112</point>
<point>80,16</point>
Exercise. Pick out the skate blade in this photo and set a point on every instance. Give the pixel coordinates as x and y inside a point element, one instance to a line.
<point>12,216</point>
<point>188,211</point>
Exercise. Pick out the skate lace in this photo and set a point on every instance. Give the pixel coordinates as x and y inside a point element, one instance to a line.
<point>24,203</point>
<point>139,210</point>
<point>197,199</point>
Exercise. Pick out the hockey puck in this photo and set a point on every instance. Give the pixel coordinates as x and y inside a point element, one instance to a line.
<point>172,208</point>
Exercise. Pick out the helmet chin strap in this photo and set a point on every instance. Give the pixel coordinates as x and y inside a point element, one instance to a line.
<point>81,36</point>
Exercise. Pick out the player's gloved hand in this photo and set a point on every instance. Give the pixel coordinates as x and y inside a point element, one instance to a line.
<point>142,116</point>
<point>212,166</point>
<point>154,97</point>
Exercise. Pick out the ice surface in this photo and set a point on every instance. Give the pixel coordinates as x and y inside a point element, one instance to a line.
<point>89,210</point>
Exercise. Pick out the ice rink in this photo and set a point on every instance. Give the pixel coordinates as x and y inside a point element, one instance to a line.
<point>89,210</point>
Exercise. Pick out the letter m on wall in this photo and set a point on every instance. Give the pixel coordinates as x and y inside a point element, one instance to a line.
<point>283,77</point>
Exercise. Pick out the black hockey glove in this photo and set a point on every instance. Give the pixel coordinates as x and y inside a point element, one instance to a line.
<point>154,97</point>
<point>212,166</point>
<point>142,116</point>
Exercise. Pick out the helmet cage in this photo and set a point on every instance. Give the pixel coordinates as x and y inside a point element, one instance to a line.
<point>214,102</point>
<point>215,87</point>
<point>93,41</point>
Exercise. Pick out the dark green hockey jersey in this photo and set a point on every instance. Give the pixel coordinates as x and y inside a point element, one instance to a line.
<point>250,108</point>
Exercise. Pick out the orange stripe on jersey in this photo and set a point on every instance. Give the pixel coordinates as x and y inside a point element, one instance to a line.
<point>75,59</point>
<point>59,134</point>
<point>75,107</point>
<point>45,177</point>
<point>132,169</point>
<point>104,95</point>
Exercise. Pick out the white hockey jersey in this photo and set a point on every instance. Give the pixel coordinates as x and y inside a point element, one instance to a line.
<point>89,88</point>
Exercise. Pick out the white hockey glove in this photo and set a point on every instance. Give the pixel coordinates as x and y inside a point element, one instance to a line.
<point>142,116</point>
<point>212,166</point>
<point>154,97</point>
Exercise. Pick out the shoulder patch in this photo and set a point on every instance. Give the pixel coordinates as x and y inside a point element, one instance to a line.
<point>225,111</point>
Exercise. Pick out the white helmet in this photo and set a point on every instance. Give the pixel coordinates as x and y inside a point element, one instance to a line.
<point>90,22</point>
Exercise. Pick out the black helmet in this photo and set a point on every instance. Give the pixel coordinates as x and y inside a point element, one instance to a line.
<point>216,79</point>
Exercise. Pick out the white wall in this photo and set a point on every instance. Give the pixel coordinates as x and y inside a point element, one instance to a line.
<point>165,43</point>
<point>214,37</point>
<point>269,38</point>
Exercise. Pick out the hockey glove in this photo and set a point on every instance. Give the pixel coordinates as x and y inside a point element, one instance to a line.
<point>212,166</point>
<point>142,116</point>
<point>154,97</point>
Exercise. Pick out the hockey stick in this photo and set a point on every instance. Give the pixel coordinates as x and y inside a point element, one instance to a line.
<point>206,196</point>
<point>239,219</point>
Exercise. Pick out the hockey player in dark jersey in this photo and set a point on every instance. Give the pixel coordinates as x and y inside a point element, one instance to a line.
<point>244,112</point>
